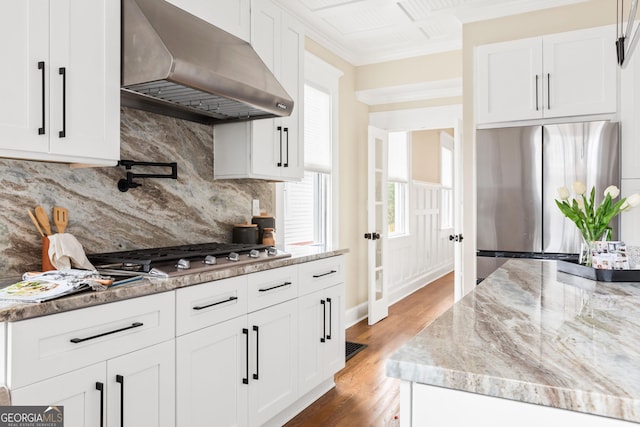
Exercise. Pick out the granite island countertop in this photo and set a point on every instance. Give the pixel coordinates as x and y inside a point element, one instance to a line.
<point>531,334</point>
<point>10,311</point>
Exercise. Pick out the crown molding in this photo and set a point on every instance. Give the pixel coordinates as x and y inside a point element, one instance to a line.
<point>411,92</point>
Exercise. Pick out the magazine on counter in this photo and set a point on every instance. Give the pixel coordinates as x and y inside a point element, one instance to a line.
<point>39,287</point>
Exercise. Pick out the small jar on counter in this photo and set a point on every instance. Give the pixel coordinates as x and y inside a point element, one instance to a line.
<point>269,237</point>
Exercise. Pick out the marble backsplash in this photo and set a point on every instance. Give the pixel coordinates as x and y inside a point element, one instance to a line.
<point>195,208</point>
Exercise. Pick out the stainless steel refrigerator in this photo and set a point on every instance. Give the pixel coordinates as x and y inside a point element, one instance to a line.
<point>519,171</point>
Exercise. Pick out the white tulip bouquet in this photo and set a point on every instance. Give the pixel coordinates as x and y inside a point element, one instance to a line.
<point>593,221</point>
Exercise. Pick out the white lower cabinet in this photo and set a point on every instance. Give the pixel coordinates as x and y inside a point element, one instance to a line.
<point>108,365</point>
<point>250,350</point>
<point>242,371</point>
<point>136,389</point>
<point>321,336</point>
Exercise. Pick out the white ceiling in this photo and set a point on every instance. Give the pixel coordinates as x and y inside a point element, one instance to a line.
<point>371,31</point>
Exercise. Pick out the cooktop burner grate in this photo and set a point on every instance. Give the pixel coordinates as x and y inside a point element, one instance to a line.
<point>146,259</point>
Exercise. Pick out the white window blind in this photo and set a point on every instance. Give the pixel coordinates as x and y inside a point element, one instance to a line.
<point>398,159</point>
<point>317,130</point>
<point>299,211</point>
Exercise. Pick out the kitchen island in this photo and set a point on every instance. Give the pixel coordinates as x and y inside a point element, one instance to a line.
<point>529,346</point>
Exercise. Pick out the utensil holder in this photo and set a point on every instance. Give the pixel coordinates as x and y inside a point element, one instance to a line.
<point>46,261</point>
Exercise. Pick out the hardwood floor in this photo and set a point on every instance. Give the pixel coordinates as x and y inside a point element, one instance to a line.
<point>364,396</point>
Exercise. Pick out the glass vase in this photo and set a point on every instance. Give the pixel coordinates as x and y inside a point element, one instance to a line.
<point>585,253</point>
<point>588,247</point>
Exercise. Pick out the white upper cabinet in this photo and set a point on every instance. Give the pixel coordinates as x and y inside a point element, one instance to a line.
<point>268,148</point>
<point>61,85</point>
<point>233,16</point>
<point>557,75</point>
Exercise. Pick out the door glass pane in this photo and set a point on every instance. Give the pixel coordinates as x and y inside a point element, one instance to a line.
<point>378,186</point>
<point>379,154</point>
<point>379,293</point>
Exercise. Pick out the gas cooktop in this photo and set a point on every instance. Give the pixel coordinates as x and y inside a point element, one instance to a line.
<point>185,259</point>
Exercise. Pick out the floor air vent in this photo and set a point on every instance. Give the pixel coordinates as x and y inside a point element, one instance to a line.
<point>352,348</point>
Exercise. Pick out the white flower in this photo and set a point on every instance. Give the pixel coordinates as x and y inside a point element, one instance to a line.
<point>579,188</point>
<point>613,191</point>
<point>631,202</point>
<point>563,193</point>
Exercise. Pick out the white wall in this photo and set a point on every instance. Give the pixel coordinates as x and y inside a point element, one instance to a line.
<point>426,253</point>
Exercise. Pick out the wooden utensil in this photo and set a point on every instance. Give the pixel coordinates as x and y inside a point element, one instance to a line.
<point>60,218</point>
<point>43,219</point>
<point>35,222</point>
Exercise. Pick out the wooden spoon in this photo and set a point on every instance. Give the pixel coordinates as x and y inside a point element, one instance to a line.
<point>43,219</point>
<point>60,218</point>
<point>35,222</point>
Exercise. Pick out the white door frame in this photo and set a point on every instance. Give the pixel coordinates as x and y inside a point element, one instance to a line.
<point>449,116</point>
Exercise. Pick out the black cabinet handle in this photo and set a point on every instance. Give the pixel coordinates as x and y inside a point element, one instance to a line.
<point>63,73</point>
<point>330,321</point>
<point>548,91</point>
<point>255,376</point>
<point>315,276</point>
<point>245,380</point>
<point>100,387</point>
<point>324,320</point>
<point>274,287</point>
<point>133,325</point>
<point>286,131</point>
<point>120,379</point>
<point>41,130</point>
<point>279,164</point>
<point>537,108</point>
<point>201,307</point>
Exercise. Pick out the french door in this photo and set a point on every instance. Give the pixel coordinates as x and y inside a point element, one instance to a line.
<point>377,225</point>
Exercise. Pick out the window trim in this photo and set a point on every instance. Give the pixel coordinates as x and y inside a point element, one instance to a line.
<point>321,74</point>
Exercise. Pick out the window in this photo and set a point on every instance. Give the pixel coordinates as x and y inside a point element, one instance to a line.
<point>309,204</point>
<point>446,180</point>
<point>398,177</point>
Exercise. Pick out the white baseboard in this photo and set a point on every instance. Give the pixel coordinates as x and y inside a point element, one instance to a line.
<point>356,314</point>
<point>403,291</point>
<point>360,311</point>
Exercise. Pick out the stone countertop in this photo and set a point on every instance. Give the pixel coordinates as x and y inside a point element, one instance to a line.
<point>11,311</point>
<point>531,334</point>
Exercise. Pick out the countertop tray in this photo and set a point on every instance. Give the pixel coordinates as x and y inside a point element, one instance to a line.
<point>591,273</point>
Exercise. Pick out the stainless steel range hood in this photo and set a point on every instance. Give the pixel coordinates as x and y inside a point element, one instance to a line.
<point>176,64</point>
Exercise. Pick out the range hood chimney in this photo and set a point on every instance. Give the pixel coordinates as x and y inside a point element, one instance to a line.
<point>176,64</point>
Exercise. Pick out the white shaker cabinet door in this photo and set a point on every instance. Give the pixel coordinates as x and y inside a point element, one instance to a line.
<point>85,79</point>
<point>212,378</point>
<point>580,73</point>
<point>141,387</point>
<point>24,76</point>
<point>273,356</point>
<point>80,392</point>
<point>509,81</point>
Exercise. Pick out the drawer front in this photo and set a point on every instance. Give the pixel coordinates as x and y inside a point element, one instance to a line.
<point>272,287</point>
<point>321,274</point>
<point>209,303</point>
<point>51,345</point>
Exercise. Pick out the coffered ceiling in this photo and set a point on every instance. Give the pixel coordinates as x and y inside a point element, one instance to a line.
<point>370,31</point>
